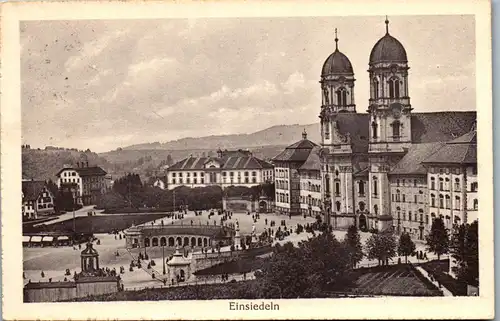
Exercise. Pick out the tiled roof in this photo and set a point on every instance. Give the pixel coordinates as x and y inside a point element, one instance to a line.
<point>440,126</point>
<point>425,127</point>
<point>231,162</point>
<point>313,162</point>
<point>462,150</point>
<point>357,125</point>
<point>31,189</point>
<point>85,171</point>
<point>411,163</point>
<point>298,152</point>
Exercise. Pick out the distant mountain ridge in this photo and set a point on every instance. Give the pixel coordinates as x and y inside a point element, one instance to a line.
<point>272,136</point>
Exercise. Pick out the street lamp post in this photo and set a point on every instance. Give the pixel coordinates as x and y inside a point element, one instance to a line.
<point>163,260</point>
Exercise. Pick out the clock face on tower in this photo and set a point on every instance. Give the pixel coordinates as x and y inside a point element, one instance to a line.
<point>396,110</point>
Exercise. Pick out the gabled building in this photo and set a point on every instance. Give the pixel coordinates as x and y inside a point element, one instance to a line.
<point>87,182</point>
<point>452,180</point>
<point>287,177</point>
<point>238,168</point>
<point>37,199</point>
<point>310,184</point>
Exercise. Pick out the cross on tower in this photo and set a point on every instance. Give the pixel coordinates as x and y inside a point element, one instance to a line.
<point>336,40</point>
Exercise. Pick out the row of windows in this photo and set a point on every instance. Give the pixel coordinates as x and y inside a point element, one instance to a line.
<point>70,180</point>
<point>403,182</point>
<point>311,175</point>
<point>311,187</point>
<point>399,197</point>
<point>282,198</point>
<point>195,174</point>
<point>68,174</point>
<point>393,84</point>
<point>194,180</point>
<point>45,206</point>
<point>281,184</point>
<point>282,173</point>
<point>309,200</point>
<point>396,129</point>
<point>445,202</point>
<point>447,170</point>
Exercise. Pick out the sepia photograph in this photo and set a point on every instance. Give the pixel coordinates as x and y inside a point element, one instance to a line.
<point>255,162</point>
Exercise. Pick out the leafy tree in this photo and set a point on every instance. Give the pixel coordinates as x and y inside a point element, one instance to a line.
<point>406,246</point>
<point>170,161</point>
<point>381,246</point>
<point>353,242</point>
<point>464,249</point>
<point>315,266</point>
<point>437,240</point>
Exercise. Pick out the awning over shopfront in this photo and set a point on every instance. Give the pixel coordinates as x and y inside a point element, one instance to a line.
<point>36,239</point>
<point>48,238</point>
<point>62,238</point>
<point>26,238</point>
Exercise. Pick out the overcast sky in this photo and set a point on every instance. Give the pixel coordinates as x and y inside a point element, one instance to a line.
<point>106,84</point>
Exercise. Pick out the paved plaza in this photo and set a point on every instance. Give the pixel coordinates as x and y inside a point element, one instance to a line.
<point>53,261</point>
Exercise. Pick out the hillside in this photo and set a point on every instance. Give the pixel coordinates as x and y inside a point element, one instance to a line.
<point>130,160</point>
<point>280,135</point>
<point>43,164</point>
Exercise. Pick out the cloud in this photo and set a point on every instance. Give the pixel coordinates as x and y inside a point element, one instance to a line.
<point>139,80</point>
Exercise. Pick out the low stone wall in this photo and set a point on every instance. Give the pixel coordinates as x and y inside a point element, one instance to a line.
<point>64,291</point>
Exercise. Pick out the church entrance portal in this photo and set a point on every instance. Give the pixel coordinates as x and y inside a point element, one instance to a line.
<point>362,223</point>
<point>262,207</point>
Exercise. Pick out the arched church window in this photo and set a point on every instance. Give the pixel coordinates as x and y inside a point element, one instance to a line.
<point>393,87</point>
<point>342,96</point>
<point>375,88</point>
<point>361,188</point>
<point>337,188</point>
<point>375,186</point>
<point>326,96</point>
<point>396,129</point>
<point>327,130</point>
<point>374,129</point>
<point>327,183</point>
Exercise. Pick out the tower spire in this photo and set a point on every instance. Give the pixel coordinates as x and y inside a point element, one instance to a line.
<point>336,40</point>
<point>386,25</point>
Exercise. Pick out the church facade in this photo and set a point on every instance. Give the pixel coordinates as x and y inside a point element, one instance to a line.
<point>391,167</point>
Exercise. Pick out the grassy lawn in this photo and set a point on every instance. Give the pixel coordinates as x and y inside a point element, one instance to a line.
<point>439,270</point>
<point>398,280</point>
<point>243,265</point>
<point>98,224</point>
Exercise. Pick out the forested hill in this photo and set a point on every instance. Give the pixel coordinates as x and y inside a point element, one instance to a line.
<point>43,164</point>
<point>279,135</point>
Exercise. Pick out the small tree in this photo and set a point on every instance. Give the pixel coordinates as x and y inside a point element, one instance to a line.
<point>464,249</point>
<point>406,246</point>
<point>353,242</point>
<point>381,247</point>
<point>437,240</point>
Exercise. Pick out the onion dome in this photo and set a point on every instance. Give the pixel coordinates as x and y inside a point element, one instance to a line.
<point>337,62</point>
<point>388,49</point>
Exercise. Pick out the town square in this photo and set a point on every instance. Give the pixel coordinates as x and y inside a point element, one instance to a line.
<point>341,169</point>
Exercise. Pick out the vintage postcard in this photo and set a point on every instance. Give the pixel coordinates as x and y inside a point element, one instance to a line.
<point>247,160</point>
